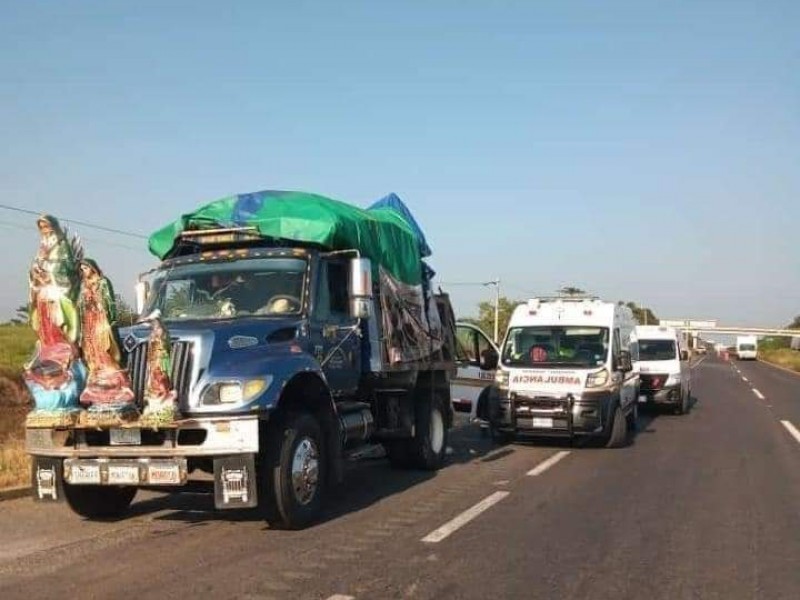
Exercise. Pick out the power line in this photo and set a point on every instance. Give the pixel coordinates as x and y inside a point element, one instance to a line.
<point>82,238</point>
<point>76,222</point>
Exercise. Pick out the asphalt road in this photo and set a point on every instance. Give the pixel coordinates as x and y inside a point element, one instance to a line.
<point>698,506</point>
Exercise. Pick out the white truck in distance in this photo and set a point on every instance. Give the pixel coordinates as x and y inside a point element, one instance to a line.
<point>746,347</point>
<point>663,365</point>
<point>565,370</point>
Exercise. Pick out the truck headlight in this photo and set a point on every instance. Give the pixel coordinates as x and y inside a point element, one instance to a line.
<point>673,379</point>
<point>597,379</point>
<point>234,392</point>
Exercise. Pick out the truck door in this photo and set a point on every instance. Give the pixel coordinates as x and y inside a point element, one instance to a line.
<point>336,341</point>
<point>476,359</point>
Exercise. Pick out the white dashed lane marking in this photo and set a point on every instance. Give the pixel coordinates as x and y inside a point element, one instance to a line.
<point>792,430</point>
<point>546,464</point>
<point>758,394</point>
<point>465,517</point>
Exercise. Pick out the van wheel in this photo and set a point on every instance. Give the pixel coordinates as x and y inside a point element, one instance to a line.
<point>618,434</point>
<point>99,501</point>
<point>292,471</point>
<point>683,407</point>
<point>428,448</point>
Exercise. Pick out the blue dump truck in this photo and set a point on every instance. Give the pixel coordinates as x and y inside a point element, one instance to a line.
<point>304,330</point>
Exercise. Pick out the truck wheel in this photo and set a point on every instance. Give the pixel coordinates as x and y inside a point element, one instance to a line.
<point>618,434</point>
<point>99,501</point>
<point>427,449</point>
<point>633,418</point>
<point>293,471</point>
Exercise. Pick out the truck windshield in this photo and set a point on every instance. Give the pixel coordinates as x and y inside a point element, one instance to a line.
<point>747,347</point>
<point>657,350</point>
<point>556,346</point>
<point>249,286</point>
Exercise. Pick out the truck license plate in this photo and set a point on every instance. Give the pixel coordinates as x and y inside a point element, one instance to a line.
<point>123,474</point>
<point>163,474</point>
<point>542,422</point>
<point>126,437</point>
<point>86,474</point>
<point>642,398</point>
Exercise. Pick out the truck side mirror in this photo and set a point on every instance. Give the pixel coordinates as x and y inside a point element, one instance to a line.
<point>624,361</point>
<point>684,355</point>
<point>360,288</point>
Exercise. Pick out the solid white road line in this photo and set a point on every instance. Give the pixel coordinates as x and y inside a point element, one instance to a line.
<point>464,518</point>
<point>698,363</point>
<point>758,394</point>
<point>792,430</point>
<point>546,464</point>
<point>341,597</point>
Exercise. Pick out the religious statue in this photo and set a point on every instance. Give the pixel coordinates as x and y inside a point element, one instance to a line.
<point>160,399</point>
<point>55,375</point>
<point>108,386</point>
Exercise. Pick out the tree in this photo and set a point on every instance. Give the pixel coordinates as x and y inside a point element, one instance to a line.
<point>644,316</point>
<point>21,315</point>
<point>485,318</point>
<point>794,324</point>
<point>126,316</point>
<point>569,290</point>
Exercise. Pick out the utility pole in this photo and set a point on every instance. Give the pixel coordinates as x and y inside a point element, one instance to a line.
<point>496,284</point>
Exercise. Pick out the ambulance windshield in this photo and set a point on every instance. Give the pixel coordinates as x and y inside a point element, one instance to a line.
<point>556,346</point>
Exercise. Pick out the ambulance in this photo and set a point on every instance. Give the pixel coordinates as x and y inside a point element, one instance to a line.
<point>565,370</point>
<point>663,364</point>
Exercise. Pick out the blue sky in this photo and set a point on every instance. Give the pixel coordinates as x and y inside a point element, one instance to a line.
<point>641,150</point>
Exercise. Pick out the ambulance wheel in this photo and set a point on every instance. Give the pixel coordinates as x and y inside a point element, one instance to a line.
<point>618,433</point>
<point>633,418</point>
<point>99,501</point>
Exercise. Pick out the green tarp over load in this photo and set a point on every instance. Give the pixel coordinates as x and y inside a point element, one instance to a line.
<point>386,233</point>
<point>381,234</point>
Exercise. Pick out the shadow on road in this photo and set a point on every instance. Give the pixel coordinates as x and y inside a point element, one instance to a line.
<point>367,481</point>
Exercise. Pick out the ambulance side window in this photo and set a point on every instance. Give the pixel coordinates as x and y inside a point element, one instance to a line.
<point>615,348</point>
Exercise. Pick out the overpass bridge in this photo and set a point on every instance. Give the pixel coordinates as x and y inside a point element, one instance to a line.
<point>698,326</point>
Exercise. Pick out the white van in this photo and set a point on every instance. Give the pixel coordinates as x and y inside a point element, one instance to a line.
<point>476,359</point>
<point>746,347</point>
<point>565,370</point>
<point>663,366</point>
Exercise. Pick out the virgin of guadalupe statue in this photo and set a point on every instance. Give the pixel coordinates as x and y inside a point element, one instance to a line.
<point>55,373</point>
<point>108,385</point>
<point>160,399</point>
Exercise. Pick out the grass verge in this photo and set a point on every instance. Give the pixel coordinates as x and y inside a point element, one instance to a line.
<point>789,359</point>
<point>16,344</point>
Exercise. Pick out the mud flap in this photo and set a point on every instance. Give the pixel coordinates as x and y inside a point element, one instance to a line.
<point>235,482</point>
<point>47,479</point>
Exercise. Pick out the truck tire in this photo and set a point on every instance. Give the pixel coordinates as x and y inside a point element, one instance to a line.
<point>428,448</point>
<point>618,433</point>
<point>99,501</point>
<point>293,469</point>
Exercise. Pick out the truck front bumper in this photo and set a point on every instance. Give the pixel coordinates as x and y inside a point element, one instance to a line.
<point>136,456</point>
<point>199,437</point>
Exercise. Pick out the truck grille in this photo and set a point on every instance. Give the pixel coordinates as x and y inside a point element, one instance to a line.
<point>181,376</point>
